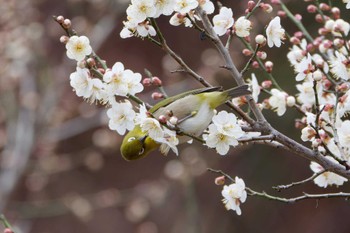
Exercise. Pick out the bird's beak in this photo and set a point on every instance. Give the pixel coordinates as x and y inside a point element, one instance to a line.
<point>142,140</point>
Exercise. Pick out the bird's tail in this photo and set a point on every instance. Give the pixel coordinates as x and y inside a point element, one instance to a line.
<point>238,91</point>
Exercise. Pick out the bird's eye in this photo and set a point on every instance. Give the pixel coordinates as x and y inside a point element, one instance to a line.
<point>141,151</point>
<point>131,139</point>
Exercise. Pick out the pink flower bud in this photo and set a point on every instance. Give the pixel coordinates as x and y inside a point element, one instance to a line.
<point>220,180</point>
<point>8,230</point>
<point>324,7</point>
<point>268,66</point>
<point>91,62</point>
<point>262,55</point>
<point>266,7</point>
<point>67,23</point>
<point>251,5</point>
<point>157,95</point>
<point>60,19</point>
<point>311,8</point>
<point>64,39</point>
<point>101,70</point>
<point>156,81</point>
<point>327,84</point>
<point>310,47</point>
<point>336,12</point>
<point>162,119</point>
<point>322,31</point>
<point>255,64</point>
<point>298,124</point>
<point>281,14</point>
<point>343,87</point>
<point>266,84</point>
<point>247,52</point>
<point>298,17</point>
<point>146,82</point>
<point>294,40</point>
<point>298,35</point>
<point>319,18</point>
<point>277,2</point>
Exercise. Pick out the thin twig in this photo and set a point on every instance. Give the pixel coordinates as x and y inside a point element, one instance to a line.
<point>286,186</point>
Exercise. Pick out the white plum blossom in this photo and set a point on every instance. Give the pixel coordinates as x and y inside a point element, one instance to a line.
<point>274,32</point>
<point>326,178</point>
<point>185,6</point>
<point>81,82</point>
<point>340,27</point>
<point>226,123</point>
<point>133,81</point>
<point>139,10</point>
<point>177,19</point>
<point>344,134</point>
<point>116,80</point>
<point>297,52</point>
<point>153,128</point>
<point>234,194</point>
<point>306,94</point>
<point>164,7</point>
<point>303,68</point>
<point>338,68</point>
<point>132,28</point>
<point>242,27</point>
<point>223,21</point>
<point>308,134</point>
<point>254,86</point>
<point>121,117</point>
<point>219,141</point>
<point>207,6</point>
<point>278,101</point>
<point>169,141</point>
<point>78,47</point>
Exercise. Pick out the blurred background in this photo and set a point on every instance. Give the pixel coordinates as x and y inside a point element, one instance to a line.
<point>60,166</point>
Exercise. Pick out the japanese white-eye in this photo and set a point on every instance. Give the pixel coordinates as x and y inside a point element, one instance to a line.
<point>194,111</point>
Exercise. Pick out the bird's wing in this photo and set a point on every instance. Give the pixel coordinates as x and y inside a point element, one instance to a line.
<point>171,99</point>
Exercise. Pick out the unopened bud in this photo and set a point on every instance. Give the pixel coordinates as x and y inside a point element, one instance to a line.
<point>327,84</point>
<point>91,62</point>
<point>319,18</point>
<point>262,55</point>
<point>268,66</point>
<point>328,107</point>
<point>60,19</point>
<point>64,39</point>
<point>247,52</point>
<point>266,7</point>
<point>173,120</point>
<point>299,35</point>
<point>290,101</point>
<point>277,2</point>
<point>162,119</point>
<point>336,12</point>
<point>146,82</point>
<point>298,17</point>
<point>298,124</point>
<point>317,75</point>
<point>266,84</point>
<point>338,42</point>
<point>343,87</point>
<point>8,230</point>
<point>81,64</point>
<point>220,180</point>
<point>310,47</point>
<point>324,7</point>
<point>322,31</point>
<point>294,40</point>
<point>281,14</point>
<point>251,5</point>
<point>157,95</point>
<point>156,81</point>
<point>101,70</point>
<point>311,8</point>
<point>255,64</point>
<point>67,23</point>
<point>260,39</point>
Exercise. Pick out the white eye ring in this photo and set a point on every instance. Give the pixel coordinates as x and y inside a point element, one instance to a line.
<point>131,139</point>
<point>141,151</point>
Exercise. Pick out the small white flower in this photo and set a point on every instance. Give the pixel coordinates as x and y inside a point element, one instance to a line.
<point>121,117</point>
<point>141,115</point>
<point>255,87</point>
<point>307,95</point>
<point>274,32</point>
<point>164,7</point>
<point>153,128</point>
<point>234,195</point>
<point>340,27</point>
<point>81,82</point>
<point>117,83</point>
<point>177,19</point>
<point>303,68</point>
<point>326,178</point>
<point>243,27</point>
<point>139,10</point>
<point>133,81</point>
<point>278,101</point>
<point>308,134</point>
<point>185,6</point>
<point>223,21</point>
<point>207,6</point>
<point>219,141</point>
<point>132,28</point>
<point>226,124</point>
<point>169,141</point>
<point>78,47</point>
<point>338,68</point>
<point>344,133</point>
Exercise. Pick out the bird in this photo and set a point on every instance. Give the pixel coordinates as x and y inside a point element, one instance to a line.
<point>194,110</point>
